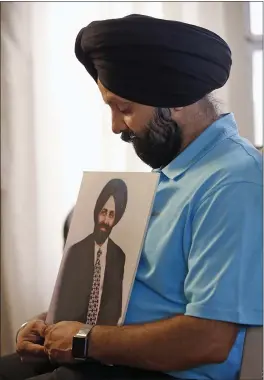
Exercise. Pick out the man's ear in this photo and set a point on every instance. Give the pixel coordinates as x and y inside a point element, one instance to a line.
<point>176,112</point>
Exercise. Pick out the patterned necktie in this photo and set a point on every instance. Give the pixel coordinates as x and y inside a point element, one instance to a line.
<point>94,296</point>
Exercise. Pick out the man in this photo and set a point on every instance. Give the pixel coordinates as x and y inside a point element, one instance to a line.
<point>92,276</point>
<point>199,280</point>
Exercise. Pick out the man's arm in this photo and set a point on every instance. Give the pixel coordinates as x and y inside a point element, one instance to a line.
<point>174,344</point>
<point>225,251</point>
<point>223,288</point>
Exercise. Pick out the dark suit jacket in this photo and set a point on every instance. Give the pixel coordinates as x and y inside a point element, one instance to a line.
<point>75,284</point>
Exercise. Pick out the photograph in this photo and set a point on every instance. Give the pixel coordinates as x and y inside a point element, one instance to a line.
<point>103,248</point>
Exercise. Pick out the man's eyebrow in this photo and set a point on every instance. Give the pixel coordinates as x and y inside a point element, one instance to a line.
<point>113,100</point>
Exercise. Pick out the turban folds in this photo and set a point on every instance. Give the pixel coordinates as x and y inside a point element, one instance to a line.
<point>118,190</point>
<point>155,62</point>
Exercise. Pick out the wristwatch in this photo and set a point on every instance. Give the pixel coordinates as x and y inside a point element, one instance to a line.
<point>80,343</point>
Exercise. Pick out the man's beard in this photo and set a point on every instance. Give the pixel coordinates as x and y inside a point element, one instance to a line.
<point>161,141</point>
<point>100,236</point>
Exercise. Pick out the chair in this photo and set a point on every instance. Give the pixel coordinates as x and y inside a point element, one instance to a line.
<point>252,361</point>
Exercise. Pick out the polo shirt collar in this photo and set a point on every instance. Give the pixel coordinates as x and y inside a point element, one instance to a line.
<point>221,129</point>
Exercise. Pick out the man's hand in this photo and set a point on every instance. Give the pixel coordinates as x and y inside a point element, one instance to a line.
<point>58,341</point>
<point>29,341</point>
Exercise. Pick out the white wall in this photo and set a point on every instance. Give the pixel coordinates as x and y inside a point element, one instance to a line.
<point>240,84</point>
<point>226,18</point>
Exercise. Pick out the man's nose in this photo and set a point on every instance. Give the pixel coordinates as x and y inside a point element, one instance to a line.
<point>106,219</point>
<point>118,125</point>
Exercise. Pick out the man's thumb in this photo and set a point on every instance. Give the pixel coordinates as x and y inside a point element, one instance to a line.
<point>40,328</point>
<point>29,348</point>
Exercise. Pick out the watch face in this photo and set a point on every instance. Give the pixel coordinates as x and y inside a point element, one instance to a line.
<point>79,347</point>
<point>80,343</point>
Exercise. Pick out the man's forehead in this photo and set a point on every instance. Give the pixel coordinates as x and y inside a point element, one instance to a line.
<point>110,204</point>
<point>108,96</point>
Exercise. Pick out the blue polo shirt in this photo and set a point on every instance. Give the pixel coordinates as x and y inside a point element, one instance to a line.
<point>202,254</point>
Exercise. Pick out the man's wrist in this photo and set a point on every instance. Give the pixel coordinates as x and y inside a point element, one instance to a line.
<point>92,335</point>
<point>20,329</point>
<point>80,343</point>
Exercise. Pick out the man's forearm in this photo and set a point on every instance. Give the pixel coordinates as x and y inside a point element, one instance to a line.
<point>175,344</point>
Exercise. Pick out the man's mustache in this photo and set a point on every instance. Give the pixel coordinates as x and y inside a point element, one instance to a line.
<point>128,136</point>
<point>105,226</point>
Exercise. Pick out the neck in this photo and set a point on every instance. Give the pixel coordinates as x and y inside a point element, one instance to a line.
<point>100,244</point>
<point>196,118</point>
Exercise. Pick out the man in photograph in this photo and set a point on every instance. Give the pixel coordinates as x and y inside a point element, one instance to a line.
<point>93,269</point>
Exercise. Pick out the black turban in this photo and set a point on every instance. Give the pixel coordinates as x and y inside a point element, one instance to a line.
<point>154,62</point>
<point>118,190</point>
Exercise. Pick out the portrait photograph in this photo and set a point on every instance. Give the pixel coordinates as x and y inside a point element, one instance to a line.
<point>103,248</point>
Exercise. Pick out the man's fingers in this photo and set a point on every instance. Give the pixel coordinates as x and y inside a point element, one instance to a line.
<point>48,329</point>
<point>39,328</point>
<point>29,348</point>
<point>37,339</point>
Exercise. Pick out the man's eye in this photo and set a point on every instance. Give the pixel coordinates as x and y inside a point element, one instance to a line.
<point>124,110</point>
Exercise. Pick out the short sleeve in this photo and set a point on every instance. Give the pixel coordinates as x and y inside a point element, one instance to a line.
<point>224,280</point>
